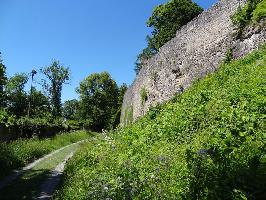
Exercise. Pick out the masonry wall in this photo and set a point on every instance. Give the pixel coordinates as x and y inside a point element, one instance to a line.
<point>198,49</point>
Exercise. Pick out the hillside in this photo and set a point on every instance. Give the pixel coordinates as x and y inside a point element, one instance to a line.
<point>207,143</point>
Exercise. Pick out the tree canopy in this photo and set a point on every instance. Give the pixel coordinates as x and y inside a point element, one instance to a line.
<point>16,96</point>
<point>3,80</point>
<point>70,109</point>
<point>57,75</point>
<point>165,20</point>
<point>98,100</point>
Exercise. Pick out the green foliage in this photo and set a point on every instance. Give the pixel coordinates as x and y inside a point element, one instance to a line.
<point>17,100</point>
<point>253,11</point>
<point>122,90</point>
<point>166,19</point>
<point>3,80</point>
<point>128,116</point>
<point>70,109</point>
<point>229,56</point>
<point>146,53</point>
<point>260,11</point>
<point>116,118</point>
<point>5,119</point>
<point>18,153</point>
<point>40,105</point>
<point>17,83</point>
<point>143,96</point>
<point>41,127</point>
<point>57,75</point>
<point>98,100</point>
<point>208,143</point>
<point>75,124</point>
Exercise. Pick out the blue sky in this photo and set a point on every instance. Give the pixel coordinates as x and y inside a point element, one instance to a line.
<point>87,36</point>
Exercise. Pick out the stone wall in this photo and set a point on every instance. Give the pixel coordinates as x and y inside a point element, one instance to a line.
<point>198,49</point>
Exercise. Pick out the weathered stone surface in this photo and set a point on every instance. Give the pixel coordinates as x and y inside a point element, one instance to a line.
<point>198,49</point>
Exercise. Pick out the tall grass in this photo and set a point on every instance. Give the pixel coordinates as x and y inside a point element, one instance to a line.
<point>208,143</point>
<point>18,153</point>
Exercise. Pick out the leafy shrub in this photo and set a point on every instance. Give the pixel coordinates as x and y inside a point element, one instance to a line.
<point>253,11</point>
<point>228,56</point>
<point>30,127</point>
<point>260,11</point>
<point>18,153</point>
<point>74,124</point>
<point>208,143</point>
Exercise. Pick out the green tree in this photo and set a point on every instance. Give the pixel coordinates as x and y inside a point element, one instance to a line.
<point>3,81</point>
<point>17,100</point>
<point>244,14</point>
<point>98,101</point>
<point>70,109</point>
<point>57,75</point>
<point>122,90</point>
<point>166,19</point>
<point>39,103</point>
<point>146,53</point>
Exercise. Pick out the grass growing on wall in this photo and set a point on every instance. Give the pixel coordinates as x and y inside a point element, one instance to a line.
<point>128,116</point>
<point>143,96</point>
<point>208,143</point>
<point>17,154</point>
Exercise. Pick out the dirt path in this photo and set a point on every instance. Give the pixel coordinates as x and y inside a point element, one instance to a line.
<point>39,179</point>
<point>49,186</point>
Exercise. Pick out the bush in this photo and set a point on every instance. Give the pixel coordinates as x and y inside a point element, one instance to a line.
<point>14,128</point>
<point>229,56</point>
<point>260,11</point>
<point>253,11</point>
<point>208,143</point>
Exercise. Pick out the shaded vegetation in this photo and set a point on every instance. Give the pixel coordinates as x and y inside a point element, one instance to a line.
<point>208,143</point>
<point>143,96</point>
<point>28,186</point>
<point>229,56</point>
<point>16,154</point>
<point>25,188</point>
<point>128,116</point>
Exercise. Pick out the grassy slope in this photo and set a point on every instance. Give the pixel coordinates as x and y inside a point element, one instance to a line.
<point>18,153</point>
<point>208,143</point>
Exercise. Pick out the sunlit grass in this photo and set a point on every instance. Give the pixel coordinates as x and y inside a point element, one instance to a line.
<point>208,143</point>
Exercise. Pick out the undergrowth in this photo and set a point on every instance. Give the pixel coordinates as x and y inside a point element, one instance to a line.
<point>207,143</point>
<point>18,153</point>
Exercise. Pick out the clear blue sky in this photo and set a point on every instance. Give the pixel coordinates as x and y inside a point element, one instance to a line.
<point>86,35</point>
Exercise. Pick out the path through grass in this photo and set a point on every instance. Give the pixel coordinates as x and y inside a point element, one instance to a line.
<point>28,185</point>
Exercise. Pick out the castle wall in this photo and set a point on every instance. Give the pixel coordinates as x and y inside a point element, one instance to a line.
<point>198,49</point>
